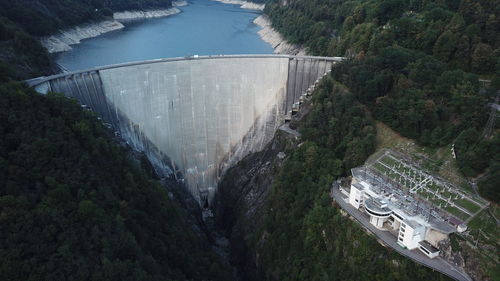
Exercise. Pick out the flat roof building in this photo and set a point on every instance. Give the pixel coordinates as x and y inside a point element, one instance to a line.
<point>429,250</point>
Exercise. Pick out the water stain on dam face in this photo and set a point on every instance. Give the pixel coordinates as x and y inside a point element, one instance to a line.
<point>194,117</point>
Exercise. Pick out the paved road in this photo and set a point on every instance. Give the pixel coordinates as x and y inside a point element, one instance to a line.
<point>438,263</point>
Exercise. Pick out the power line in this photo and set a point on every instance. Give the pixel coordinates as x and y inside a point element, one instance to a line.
<point>492,119</point>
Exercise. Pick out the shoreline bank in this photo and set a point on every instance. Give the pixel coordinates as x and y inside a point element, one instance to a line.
<point>244,4</point>
<point>63,39</point>
<point>275,39</point>
<point>132,15</point>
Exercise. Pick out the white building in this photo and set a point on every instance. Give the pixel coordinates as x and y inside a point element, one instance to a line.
<point>387,211</point>
<point>429,250</point>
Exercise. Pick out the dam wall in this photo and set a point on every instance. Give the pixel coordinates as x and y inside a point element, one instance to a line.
<point>194,117</point>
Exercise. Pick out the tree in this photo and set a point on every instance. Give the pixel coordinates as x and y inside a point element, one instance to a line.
<point>445,46</point>
<point>468,105</point>
<point>482,60</point>
<point>488,187</point>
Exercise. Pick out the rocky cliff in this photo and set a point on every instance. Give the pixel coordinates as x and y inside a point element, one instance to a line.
<point>239,203</point>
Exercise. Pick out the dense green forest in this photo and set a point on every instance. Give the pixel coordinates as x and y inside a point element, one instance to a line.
<point>416,65</point>
<point>44,17</point>
<point>21,55</point>
<point>303,237</point>
<point>75,206</point>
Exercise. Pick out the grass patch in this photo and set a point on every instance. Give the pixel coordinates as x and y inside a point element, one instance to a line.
<point>486,223</point>
<point>389,161</point>
<point>467,204</point>
<point>381,168</point>
<point>433,187</point>
<point>446,194</point>
<point>456,212</point>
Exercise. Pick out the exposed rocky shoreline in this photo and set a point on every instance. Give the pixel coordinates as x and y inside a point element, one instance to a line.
<point>62,40</point>
<point>268,33</point>
<point>244,4</point>
<point>127,15</point>
<point>273,37</point>
<point>179,3</point>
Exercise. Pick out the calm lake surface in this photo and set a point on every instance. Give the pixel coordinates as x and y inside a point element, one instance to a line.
<point>204,27</point>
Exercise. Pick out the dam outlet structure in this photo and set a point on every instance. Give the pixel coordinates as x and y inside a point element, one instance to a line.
<point>194,117</point>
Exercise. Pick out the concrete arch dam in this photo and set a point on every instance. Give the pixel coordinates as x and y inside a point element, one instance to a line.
<point>195,116</point>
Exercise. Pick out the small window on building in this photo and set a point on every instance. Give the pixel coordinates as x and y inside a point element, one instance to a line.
<point>400,239</point>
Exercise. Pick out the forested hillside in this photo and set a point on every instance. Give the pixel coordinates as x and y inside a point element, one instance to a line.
<point>43,17</point>
<point>22,21</point>
<point>75,206</point>
<point>425,68</point>
<point>302,236</point>
<point>21,55</point>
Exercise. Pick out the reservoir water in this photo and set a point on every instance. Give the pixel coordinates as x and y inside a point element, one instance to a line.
<point>204,27</point>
